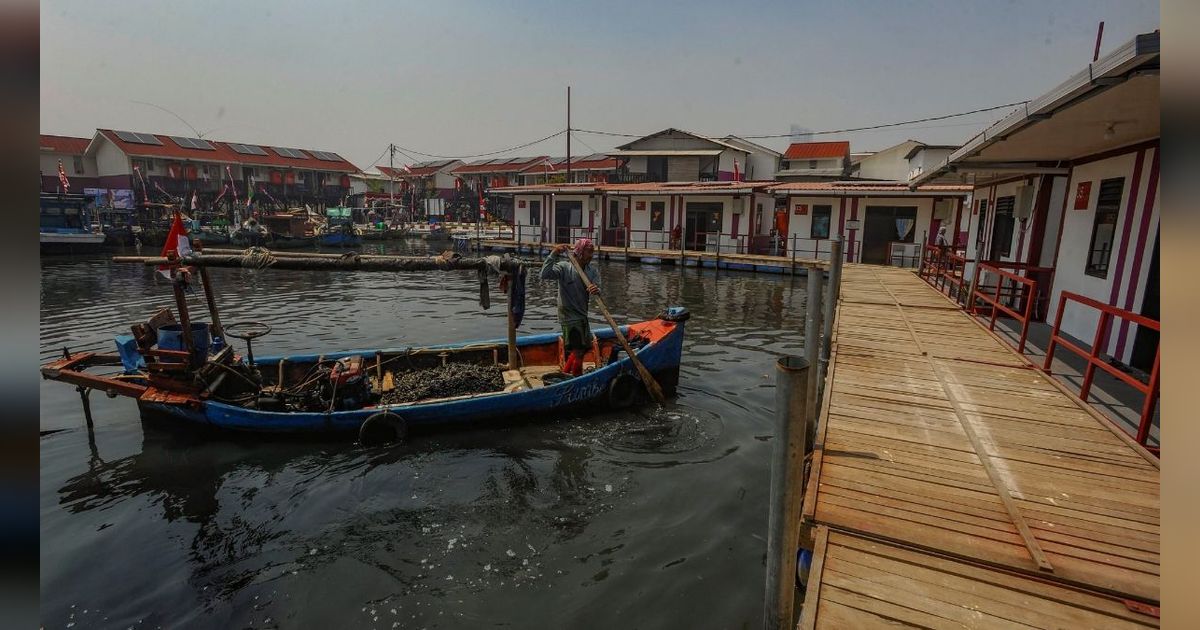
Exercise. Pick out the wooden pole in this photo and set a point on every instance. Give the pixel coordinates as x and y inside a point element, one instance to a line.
<point>184,319</point>
<point>322,262</point>
<point>210,297</point>
<point>647,379</point>
<point>513,362</point>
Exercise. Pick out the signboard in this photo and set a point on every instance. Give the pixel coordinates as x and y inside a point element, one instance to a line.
<point>1083,192</point>
<point>641,205</point>
<point>801,209</point>
<point>852,224</point>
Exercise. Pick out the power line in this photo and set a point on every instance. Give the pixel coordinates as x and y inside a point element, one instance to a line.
<point>827,132</point>
<point>477,155</point>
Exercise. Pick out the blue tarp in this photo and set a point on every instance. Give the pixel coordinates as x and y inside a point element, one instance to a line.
<point>131,359</point>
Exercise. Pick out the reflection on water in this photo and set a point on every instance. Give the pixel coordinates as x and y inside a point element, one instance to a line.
<point>589,520</point>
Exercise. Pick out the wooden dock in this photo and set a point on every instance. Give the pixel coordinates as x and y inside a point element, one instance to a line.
<point>737,262</point>
<point>954,484</point>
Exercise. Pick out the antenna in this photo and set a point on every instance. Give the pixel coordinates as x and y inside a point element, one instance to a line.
<point>189,125</point>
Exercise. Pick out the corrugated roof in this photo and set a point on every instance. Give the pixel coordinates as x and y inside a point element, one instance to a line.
<point>421,169</point>
<point>867,188</point>
<point>221,152</point>
<point>649,188</point>
<point>817,150</point>
<point>589,163</point>
<point>670,152</point>
<point>63,144</point>
<point>715,141</point>
<point>498,165</point>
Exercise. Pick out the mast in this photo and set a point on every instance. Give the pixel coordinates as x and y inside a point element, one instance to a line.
<point>392,174</point>
<point>568,134</point>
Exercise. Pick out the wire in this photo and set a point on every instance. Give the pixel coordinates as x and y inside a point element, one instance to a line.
<point>827,132</point>
<point>476,155</point>
<point>590,147</point>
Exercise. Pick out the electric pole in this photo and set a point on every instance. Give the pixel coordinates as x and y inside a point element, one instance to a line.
<point>568,134</point>
<point>392,174</point>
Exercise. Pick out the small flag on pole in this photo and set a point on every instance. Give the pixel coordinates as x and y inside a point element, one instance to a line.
<point>250,191</point>
<point>193,201</point>
<point>177,243</point>
<point>62,178</point>
<point>737,173</point>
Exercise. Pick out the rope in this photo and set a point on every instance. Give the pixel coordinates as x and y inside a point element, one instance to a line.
<point>257,258</point>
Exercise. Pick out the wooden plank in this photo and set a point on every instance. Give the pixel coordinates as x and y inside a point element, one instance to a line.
<point>812,593</point>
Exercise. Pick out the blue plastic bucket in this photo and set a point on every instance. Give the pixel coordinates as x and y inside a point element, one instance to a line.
<point>170,337</point>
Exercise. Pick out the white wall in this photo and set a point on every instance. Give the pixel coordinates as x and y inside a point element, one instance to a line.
<point>804,164</point>
<point>48,165</point>
<point>888,164</point>
<point>1076,237</point>
<point>110,160</point>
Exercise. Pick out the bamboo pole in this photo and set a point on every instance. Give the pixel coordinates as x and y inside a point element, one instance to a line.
<point>647,379</point>
<point>320,262</point>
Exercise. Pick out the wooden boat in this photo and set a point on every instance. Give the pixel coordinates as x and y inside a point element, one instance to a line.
<point>299,393</point>
<point>65,225</point>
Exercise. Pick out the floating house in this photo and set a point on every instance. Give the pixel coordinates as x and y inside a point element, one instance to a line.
<point>815,161</point>
<point>674,155</point>
<point>430,179</point>
<point>1066,190</point>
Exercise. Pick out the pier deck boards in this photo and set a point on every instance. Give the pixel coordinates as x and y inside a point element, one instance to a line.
<point>939,437</point>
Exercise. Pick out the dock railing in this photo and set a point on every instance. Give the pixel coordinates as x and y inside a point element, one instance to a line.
<point>1149,389</point>
<point>1020,292</point>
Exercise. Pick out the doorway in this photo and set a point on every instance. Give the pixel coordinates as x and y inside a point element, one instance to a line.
<point>567,214</point>
<point>1145,342</point>
<point>883,226</point>
<point>702,219</point>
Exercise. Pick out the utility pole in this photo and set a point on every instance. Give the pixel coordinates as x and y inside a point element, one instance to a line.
<point>568,134</point>
<point>392,175</point>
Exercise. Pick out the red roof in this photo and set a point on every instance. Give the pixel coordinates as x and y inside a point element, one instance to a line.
<point>413,171</point>
<point>816,150</point>
<point>498,165</point>
<point>64,144</point>
<point>223,153</point>
<point>604,164</point>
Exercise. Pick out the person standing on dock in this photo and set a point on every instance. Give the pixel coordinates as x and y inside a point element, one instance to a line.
<point>573,297</point>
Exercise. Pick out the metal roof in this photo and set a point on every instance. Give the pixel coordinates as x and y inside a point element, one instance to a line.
<point>817,150</point>
<point>869,189</point>
<point>670,152</point>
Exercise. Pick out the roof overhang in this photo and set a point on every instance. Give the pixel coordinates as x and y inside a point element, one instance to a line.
<point>789,190</point>
<point>1112,103</point>
<point>671,152</point>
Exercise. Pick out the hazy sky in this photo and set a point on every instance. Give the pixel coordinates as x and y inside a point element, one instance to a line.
<point>456,78</point>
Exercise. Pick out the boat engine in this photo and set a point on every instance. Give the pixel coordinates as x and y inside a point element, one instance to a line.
<point>348,384</point>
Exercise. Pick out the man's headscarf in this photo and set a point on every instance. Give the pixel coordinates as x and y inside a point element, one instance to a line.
<point>581,245</point>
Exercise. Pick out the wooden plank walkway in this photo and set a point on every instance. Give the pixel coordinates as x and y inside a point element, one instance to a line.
<point>939,437</point>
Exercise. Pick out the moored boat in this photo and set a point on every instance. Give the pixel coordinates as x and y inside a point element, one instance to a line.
<point>65,226</point>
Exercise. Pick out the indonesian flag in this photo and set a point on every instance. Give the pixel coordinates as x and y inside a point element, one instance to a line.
<point>177,243</point>
<point>482,205</point>
<point>224,189</point>
<point>62,178</point>
<point>193,201</point>
<point>232,184</point>
<point>737,173</point>
<point>407,169</point>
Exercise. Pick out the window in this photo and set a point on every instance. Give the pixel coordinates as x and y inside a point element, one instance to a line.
<point>820,221</point>
<point>1108,205</point>
<point>812,164</point>
<point>78,165</point>
<point>983,208</point>
<point>657,210</point>
<point>1002,228</point>
<point>656,168</point>
<point>535,213</point>
<point>614,215</point>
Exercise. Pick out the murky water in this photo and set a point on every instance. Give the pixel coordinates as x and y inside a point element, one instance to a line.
<point>650,518</point>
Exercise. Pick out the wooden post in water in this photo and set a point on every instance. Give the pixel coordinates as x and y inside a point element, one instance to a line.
<point>513,363</point>
<point>831,299</point>
<point>787,490</point>
<point>812,334</point>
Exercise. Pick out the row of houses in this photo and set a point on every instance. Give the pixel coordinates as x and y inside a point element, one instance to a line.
<point>138,167</point>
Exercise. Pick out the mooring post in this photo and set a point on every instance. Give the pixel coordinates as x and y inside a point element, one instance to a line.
<point>513,278</point>
<point>827,317</point>
<point>87,405</point>
<point>812,332</point>
<point>787,490</point>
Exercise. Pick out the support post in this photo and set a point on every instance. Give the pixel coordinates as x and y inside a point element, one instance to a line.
<point>184,319</point>
<point>812,333</point>
<point>787,490</point>
<point>87,405</point>
<point>513,364</point>
<point>210,297</point>
<point>827,316</point>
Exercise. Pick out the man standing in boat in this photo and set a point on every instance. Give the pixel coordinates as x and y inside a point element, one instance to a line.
<point>573,296</point>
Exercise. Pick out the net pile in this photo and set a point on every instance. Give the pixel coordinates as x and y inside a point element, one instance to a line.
<point>455,379</point>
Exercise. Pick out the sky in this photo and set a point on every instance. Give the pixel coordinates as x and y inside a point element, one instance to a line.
<point>462,78</point>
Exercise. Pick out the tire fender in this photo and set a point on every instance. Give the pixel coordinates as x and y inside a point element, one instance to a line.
<point>382,428</point>
<point>623,391</point>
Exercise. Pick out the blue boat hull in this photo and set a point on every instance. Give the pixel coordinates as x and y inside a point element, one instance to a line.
<point>661,358</point>
<point>338,239</point>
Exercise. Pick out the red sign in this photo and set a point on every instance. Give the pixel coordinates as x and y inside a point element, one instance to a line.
<point>1083,192</point>
<point>801,208</point>
<point>289,177</point>
<point>189,171</point>
<point>641,205</point>
<point>276,177</point>
<point>520,203</point>
<point>173,171</point>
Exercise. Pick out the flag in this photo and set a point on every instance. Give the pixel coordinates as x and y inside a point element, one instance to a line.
<point>250,192</point>
<point>145,193</point>
<point>224,189</point>
<point>176,243</point>
<point>193,201</point>
<point>232,184</point>
<point>737,173</point>
<point>62,178</point>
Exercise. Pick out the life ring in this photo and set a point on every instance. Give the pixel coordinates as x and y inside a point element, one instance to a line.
<point>382,428</point>
<point>623,391</point>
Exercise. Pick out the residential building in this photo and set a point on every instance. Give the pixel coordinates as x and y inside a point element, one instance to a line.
<point>815,161</point>
<point>161,167</point>
<point>884,223</point>
<point>429,179</point>
<point>72,152</point>
<point>1068,184</point>
<point>889,165</point>
<point>674,155</point>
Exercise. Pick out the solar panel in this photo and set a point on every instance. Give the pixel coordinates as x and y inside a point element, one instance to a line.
<point>138,138</point>
<point>325,156</point>
<point>192,143</point>
<point>247,149</point>
<point>290,153</point>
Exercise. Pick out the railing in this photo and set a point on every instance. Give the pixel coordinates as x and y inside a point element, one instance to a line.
<point>1012,293</point>
<point>1149,389</point>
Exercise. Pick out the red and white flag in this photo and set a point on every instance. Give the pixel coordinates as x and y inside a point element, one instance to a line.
<point>737,173</point>
<point>62,178</point>
<point>177,243</point>
<point>193,201</point>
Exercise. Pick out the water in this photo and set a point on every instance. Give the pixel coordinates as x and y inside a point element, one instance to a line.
<point>648,518</point>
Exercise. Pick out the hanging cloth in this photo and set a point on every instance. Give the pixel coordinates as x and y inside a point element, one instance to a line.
<point>903,227</point>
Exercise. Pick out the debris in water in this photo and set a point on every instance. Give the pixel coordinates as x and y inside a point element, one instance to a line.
<point>453,379</point>
<point>511,553</point>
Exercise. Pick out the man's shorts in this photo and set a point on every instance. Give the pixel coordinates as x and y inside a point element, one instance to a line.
<point>577,336</point>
